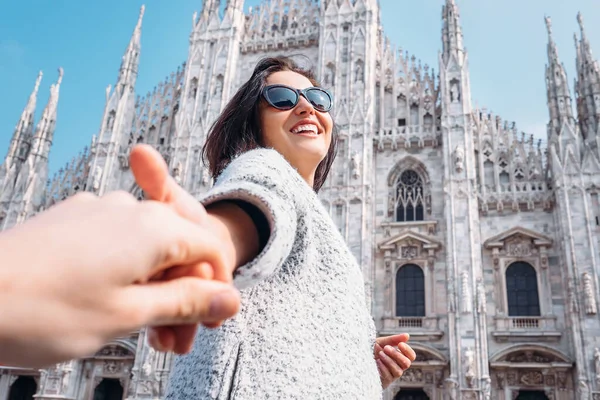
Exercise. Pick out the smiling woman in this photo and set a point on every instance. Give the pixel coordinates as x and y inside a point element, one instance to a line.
<point>302,329</point>
<point>278,97</point>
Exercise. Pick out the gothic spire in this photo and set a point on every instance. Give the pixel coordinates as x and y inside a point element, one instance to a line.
<point>24,128</point>
<point>557,86</point>
<point>587,85</point>
<point>452,37</point>
<point>42,140</point>
<point>209,8</point>
<point>129,66</point>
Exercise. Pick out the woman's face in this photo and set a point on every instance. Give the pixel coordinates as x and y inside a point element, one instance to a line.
<point>304,150</point>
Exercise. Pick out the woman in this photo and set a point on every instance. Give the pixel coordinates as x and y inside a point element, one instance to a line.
<point>304,330</point>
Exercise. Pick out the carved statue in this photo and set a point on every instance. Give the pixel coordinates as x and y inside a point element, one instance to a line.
<point>588,292</point>
<point>454,92</point>
<point>359,77</point>
<point>97,178</point>
<point>466,301</point>
<point>572,297</point>
<point>459,159</point>
<point>355,165</point>
<point>452,388</point>
<point>597,363</point>
<point>486,388</point>
<point>451,296</point>
<point>177,172</point>
<point>481,297</point>
<point>469,360</point>
<point>582,389</point>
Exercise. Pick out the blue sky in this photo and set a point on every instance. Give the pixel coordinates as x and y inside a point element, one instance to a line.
<point>506,41</point>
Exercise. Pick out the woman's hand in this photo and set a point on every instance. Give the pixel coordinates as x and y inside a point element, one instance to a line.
<point>393,356</point>
<point>79,274</point>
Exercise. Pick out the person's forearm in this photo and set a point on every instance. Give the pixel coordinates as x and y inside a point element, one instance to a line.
<point>237,230</point>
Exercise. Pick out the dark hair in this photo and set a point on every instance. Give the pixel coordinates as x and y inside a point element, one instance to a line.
<point>237,129</point>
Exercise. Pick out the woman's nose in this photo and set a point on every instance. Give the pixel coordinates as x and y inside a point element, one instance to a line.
<point>304,106</point>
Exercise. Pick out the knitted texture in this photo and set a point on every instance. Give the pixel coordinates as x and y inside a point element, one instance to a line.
<point>303,331</point>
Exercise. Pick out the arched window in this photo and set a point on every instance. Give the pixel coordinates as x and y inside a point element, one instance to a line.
<point>108,389</point>
<point>411,394</point>
<point>23,388</point>
<point>410,291</point>
<point>409,197</point>
<point>522,290</point>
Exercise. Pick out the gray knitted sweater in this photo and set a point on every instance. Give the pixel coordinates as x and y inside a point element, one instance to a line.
<point>303,331</point>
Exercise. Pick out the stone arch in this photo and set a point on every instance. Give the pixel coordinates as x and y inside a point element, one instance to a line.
<point>428,354</point>
<point>409,162</point>
<point>119,348</point>
<point>535,353</point>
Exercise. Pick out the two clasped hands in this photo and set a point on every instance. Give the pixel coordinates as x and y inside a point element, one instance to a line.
<point>91,269</point>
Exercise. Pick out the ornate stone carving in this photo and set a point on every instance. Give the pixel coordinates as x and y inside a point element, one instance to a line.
<point>561,378</point>
<point>572,297</point>
<point>97,177</point>
<point>469,363</point>
<point>452,388</point>
<point>481,297</point>
<point>531,378</point>
<point>451,295</point>
<point>582,389</point>
<point>177,170</point>
<point>459,159</point>
<point>111,367</point>
<point>113,351</point>
<point>454,91</point>
<point>412,375</point>
<point>529,357</point>
<point>486,388</point>
<point>500,376</point>
<point>465,294</point>
<point>409,252</point>
<point>597,364</point>
<point>589,295</point>
<point>519,247</point>
<point>355,165</point>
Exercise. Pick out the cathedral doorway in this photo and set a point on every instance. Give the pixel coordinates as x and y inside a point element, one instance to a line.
<point>411,394</point>
<point>531,395</point>
<point>109,389</point>
<point>23,388</point>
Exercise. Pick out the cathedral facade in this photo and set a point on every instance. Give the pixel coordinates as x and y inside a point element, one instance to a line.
<point>478,241</point>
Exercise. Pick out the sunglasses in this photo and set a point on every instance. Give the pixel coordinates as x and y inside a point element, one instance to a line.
<point>285,98</point>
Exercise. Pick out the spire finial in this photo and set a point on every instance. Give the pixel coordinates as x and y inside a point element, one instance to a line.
<point>141,17</point>
<point>548,25</point>
<point>37,83</point>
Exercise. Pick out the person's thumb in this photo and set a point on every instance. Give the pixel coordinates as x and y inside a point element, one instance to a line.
<point>182,301</point>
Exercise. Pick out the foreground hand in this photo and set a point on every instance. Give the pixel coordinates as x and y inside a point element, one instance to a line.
<point>152,175</point>
<point>78,275</point>
<point>393,356</point>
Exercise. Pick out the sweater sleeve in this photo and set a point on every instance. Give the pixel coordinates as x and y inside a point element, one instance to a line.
<point>264,179</point>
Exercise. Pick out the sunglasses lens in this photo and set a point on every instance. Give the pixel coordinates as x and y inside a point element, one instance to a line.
<point>282,98</point>
<point>320,99</point>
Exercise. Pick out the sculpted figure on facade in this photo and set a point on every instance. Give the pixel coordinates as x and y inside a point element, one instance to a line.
<point>469,362</point>
<point>588,292</point>
<point>177,172</point>
<point>466,301</point>
<point>97,178</point>
<point>454,91</point>
<point>459,159</point>
<point>355,165</point>
<point>481,297</point>
<point>452,389</point>
<point>597,364</point>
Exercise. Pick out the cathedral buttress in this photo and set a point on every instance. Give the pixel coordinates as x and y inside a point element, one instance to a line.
<point>30,187</point>
<point>349,41</point>
<point>108,149</point>
<point>467,316</point>
<point>18,148</point>
<point>208,83</point>
<point>587,87</point>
